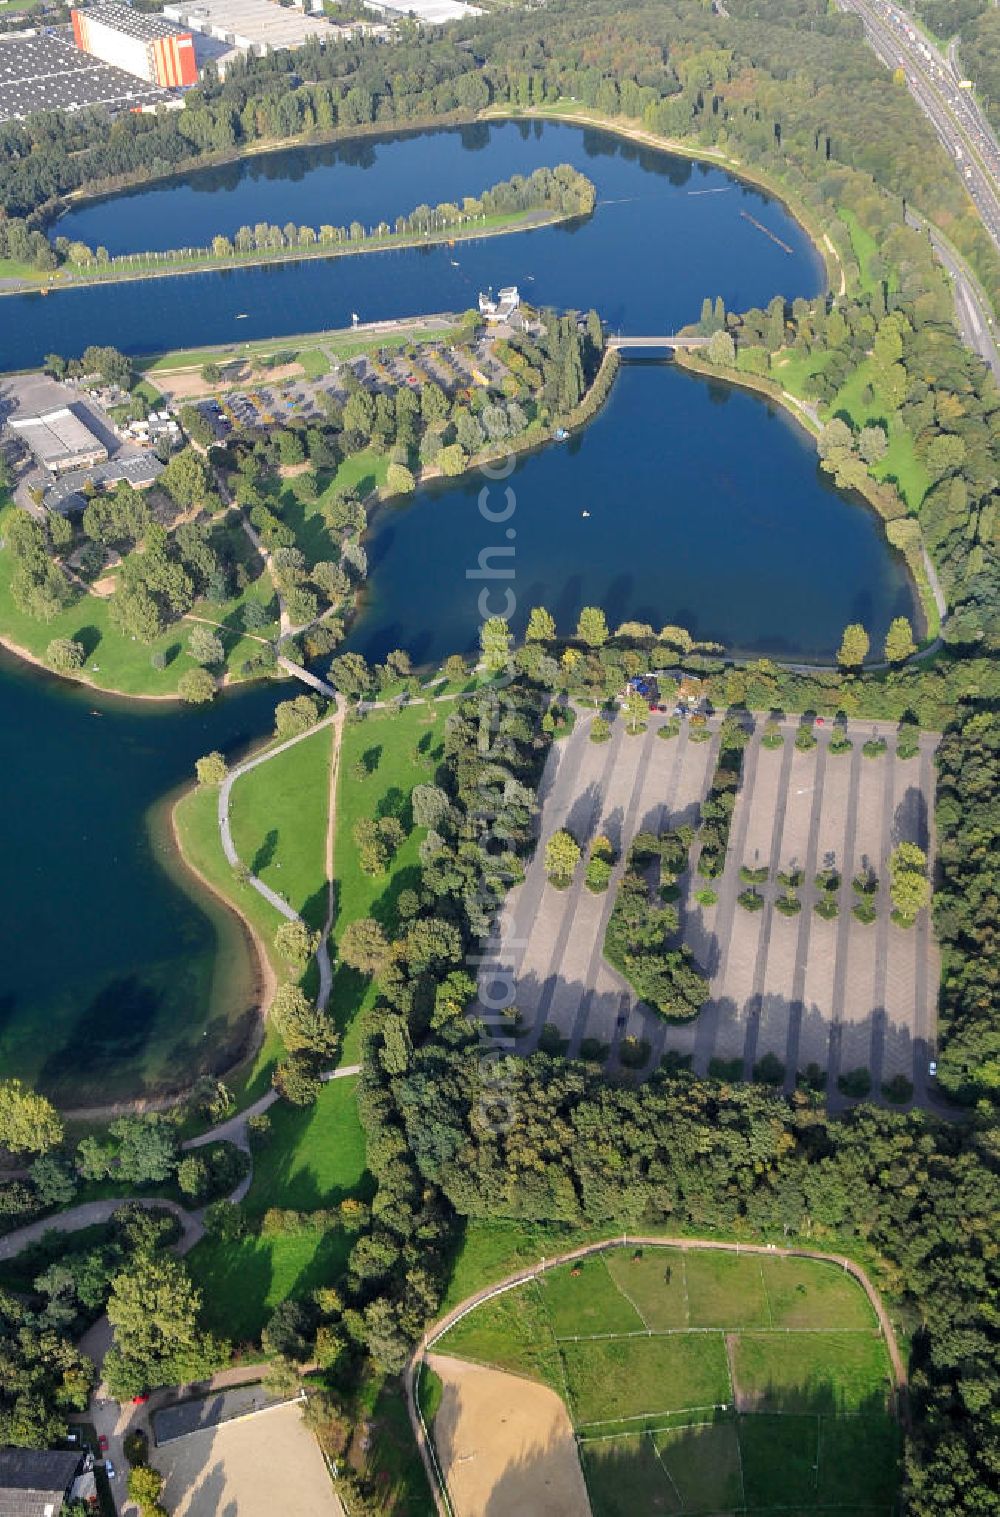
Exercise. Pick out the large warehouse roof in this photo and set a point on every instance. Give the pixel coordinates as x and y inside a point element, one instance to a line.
<point>139,24</point>
<point>59,438</point>
<point>430,12</point>
<point>252,24</point>
<point>47,73</point>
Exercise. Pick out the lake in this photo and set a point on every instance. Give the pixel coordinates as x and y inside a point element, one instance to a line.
<point>706,508</point>
<point>665,233</point>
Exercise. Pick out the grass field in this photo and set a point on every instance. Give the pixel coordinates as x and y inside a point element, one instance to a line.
<point>699,1381</point>
<point>314,1158</point>
<point>398,752</point>
<point>278,813</point>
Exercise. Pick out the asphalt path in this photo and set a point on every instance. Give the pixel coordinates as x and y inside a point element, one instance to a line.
<point>952,112</point>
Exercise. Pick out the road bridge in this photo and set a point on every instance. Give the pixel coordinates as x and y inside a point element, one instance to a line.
<point>619,342</point>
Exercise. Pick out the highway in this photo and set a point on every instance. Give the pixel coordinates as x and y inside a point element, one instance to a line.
<point>953,113</point>
<point>933,81</point>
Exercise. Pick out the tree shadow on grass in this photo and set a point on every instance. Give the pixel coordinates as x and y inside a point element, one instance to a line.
<point>89,639</point>
<point>265,853</point>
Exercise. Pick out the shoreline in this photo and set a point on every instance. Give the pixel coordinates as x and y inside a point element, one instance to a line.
<point>757,384</point>
<point>57,286</point>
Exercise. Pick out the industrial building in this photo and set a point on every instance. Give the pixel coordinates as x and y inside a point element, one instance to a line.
<point>252,26</point>
<point>43,72</point>
<point>60,440</point>
<point>427,12</point>
<point>147,46</point>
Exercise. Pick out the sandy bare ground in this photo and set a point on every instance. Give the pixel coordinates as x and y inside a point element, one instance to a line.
<point>258,1466</point>
<point>506,1445</point>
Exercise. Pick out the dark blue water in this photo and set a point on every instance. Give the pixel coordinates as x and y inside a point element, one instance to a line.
<point>707,510</point>
<point>108,967</point>
<point>666,232</point>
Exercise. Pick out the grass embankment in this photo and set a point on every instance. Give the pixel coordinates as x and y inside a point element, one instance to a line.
<point>397,751</point>
<point>701,1381</point>
<point>174,262</point>
<point>314,1158</point>
<point>338,342</point>
<point>278,814</point>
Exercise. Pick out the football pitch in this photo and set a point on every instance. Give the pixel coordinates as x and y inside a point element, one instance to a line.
<point>702,1382</point>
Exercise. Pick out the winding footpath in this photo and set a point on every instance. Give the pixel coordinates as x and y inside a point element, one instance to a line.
<point>522,1277</point>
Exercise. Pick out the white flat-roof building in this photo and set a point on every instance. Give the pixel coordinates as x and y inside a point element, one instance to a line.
<point>252,26</point>
<point>428,12</point>
<point>60,440</point>
<point>501,307</point>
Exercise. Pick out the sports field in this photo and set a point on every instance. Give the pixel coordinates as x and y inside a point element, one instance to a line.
<point>703,1382</point>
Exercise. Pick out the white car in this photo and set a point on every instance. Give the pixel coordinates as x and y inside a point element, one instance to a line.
<point>932,1068</point>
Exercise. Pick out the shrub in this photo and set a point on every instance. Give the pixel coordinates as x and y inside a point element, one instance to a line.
<point>196,687</point>
<point>805,739</point>
<point>633,1052</point>
<point>840,743</point>
<point>865,882</point>
<point>856,1083</point>
<point>769,1070</point>
<point>827,908</point>
<point>259,1129</point>
<point>792,879</point>
<point>751,900</point>
<point>211,769</point>
<point>562,855</point>
<point>598,876</point>
<point>875,747</point>
<point>594,1051</point>
<point>864,911</point>
<point>706,896</point>
<point>551,1041</point>
<point>898,1090</point>
<point>600,730</point>
<point>828,880</point>
<point>788,904</point>
<point>699,734</point>
<point>811,1078</point>
<point>136,1446</point>
<point>773,736</point>
<point>754,876</point>
<point>669,729</point>
<point>908,741</point>
<point>64,655</point>
<point>725,1069</point>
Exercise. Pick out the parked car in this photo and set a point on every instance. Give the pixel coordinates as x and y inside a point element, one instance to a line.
<point>932,1068</point>
<point>110,1470</point>
<point>102,1443</point>
<point>141,1399</point>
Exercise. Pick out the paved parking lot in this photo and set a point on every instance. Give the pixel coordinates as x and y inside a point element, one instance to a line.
<point>838,993</point>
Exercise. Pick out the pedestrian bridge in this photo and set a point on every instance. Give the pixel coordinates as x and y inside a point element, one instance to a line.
<point>673,341</point>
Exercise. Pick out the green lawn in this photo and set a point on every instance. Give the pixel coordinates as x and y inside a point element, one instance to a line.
<point>704,1465</point>
<point>818,1372</point>
<point>387,744</point>
<point>278,813</point>
<point>805,1293</point>
<point>625,1477</point>
<point>900,465</point>
<point>655,1282</point>
<point>243,1282</point>
<point>725,1290</point>
<point>635,1377</point>
<point>779,1460</point>
<point>587,1302</point>
<point>315,1156</point>
<point>865,247</point>
<point>196,820</point>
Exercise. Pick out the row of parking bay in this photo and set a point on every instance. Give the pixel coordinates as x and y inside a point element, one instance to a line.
<point>837,993</point>
<point>555,938</point>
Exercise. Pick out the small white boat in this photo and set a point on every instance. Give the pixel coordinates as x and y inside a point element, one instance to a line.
<point>241,316</point>
<point>454,263</point>
<point>584,513</point>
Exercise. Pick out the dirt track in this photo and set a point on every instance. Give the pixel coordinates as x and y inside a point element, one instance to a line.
<point>506,1445</point>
